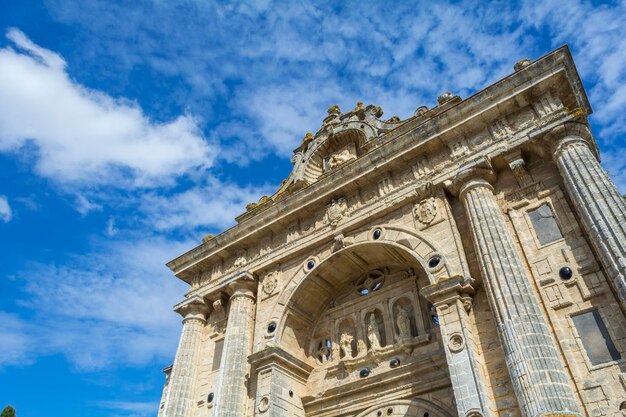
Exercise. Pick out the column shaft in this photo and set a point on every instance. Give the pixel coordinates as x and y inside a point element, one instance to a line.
<point>232,395</point>
<point>539,379</point>
<point>182,380</point>
<point>600,206</point>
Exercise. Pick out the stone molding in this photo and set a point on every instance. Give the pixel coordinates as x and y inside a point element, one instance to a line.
<point>194,307</point>
<point>405,142</point>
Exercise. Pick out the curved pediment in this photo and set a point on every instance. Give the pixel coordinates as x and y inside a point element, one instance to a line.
<point>340,140</point>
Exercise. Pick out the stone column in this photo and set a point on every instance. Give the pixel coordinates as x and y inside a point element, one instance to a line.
<point>180,399</point>
<point>231,394</point>
<point>452,299</point>
<point>599,204</point>
<point>541,385</point>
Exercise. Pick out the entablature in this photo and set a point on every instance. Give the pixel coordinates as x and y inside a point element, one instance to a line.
<point>408,163</point>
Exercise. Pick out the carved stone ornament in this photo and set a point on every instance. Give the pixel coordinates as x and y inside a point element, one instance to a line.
<point>336,211</point>
<point>339,158</point>
<point>426,211</point>
<point>264,404</point>
<point>270,283</point>
<point>456,343</point>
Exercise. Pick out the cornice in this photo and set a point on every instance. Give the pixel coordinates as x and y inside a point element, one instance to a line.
<point>405,140</point>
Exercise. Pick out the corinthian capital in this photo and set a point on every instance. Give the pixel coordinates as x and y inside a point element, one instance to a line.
<point>193,308</point>
<point>569,134</point>
<point>244,284</point>
<point>480,173</point>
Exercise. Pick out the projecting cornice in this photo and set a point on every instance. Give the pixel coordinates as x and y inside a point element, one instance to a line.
<point>461,134</point>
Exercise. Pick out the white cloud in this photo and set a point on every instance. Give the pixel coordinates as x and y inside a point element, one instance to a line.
<point>5,209</point>
<point>15,341</point>
<point>84,136</point>
<point>110,307</point>
<point>214,205</point>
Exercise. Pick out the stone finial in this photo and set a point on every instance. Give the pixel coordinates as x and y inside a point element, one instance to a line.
<point>444,97</point>
<point>308,137</point>
<point>420,110</point>
<point>394,119</point>
<point>522,64</point>
<point>334,110</point>
<point>208,237</point>
<point>359,106</point>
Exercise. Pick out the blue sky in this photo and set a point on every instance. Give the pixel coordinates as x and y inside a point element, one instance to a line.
<point>128,130</point>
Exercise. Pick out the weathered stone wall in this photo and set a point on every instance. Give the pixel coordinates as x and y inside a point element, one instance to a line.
<point>433,267</point>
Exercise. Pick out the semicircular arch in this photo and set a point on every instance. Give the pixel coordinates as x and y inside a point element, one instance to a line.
<point>416,249</point>
<point>416,407</point>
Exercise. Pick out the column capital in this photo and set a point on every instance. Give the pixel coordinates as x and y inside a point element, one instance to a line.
<point>480,173</point>
<point>570,133</point>
<point>448,290</point>
<point>244,284</point>
<point>193,308</point>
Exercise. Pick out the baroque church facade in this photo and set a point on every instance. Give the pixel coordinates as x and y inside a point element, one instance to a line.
<point>468,261</point>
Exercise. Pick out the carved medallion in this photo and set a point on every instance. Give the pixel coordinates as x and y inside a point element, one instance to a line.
<point>270,283</point>
<point>426,211</point>
<point>336,211</point>
<point>456,343</point>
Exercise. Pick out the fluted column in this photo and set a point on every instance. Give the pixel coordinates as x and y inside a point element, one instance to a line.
<point>599,204</point>
<point>231,396</point>
<point>182,379</point>
<point>538,376</point>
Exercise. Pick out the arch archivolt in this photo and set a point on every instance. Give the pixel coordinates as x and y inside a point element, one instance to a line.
<point>333,282</point>
<point>416,407</point>
<point>416,248</point>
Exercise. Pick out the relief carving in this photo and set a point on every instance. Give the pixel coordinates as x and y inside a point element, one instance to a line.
<point>459,149</point>
<point>339,158</point>
<point>420,168</point>
<point>270,283</point>
<point>501,129</point>
<point>336,211</point>
<point>426,211</point>
<point>241,258</point>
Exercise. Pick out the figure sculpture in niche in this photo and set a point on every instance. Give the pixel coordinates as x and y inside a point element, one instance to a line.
<point>403,322</point>
<point>373,335</point>
<point>339,158</point>
<point>346,344</point>
<point>323,353</point>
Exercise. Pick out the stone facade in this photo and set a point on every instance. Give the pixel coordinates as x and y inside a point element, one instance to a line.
<point>467,261</point>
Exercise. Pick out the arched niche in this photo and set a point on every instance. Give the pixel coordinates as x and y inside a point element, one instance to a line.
<point>314,290</point>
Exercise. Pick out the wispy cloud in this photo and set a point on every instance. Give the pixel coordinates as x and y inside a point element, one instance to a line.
<point>108,307</point>
<point>5,209</point>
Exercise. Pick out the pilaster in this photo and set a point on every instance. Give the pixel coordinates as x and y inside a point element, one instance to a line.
<point>452,298</point>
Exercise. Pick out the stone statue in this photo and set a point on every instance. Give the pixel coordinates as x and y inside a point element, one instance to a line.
<point>339,158</point>
<point>403,322</point>
<point>373,335</point>
<point>324,354</point>
<point>346,344</point>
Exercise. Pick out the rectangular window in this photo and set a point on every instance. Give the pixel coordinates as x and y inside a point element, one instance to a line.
<point>545,225</point>
<point>217,354</point>
<point>595,338</point>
